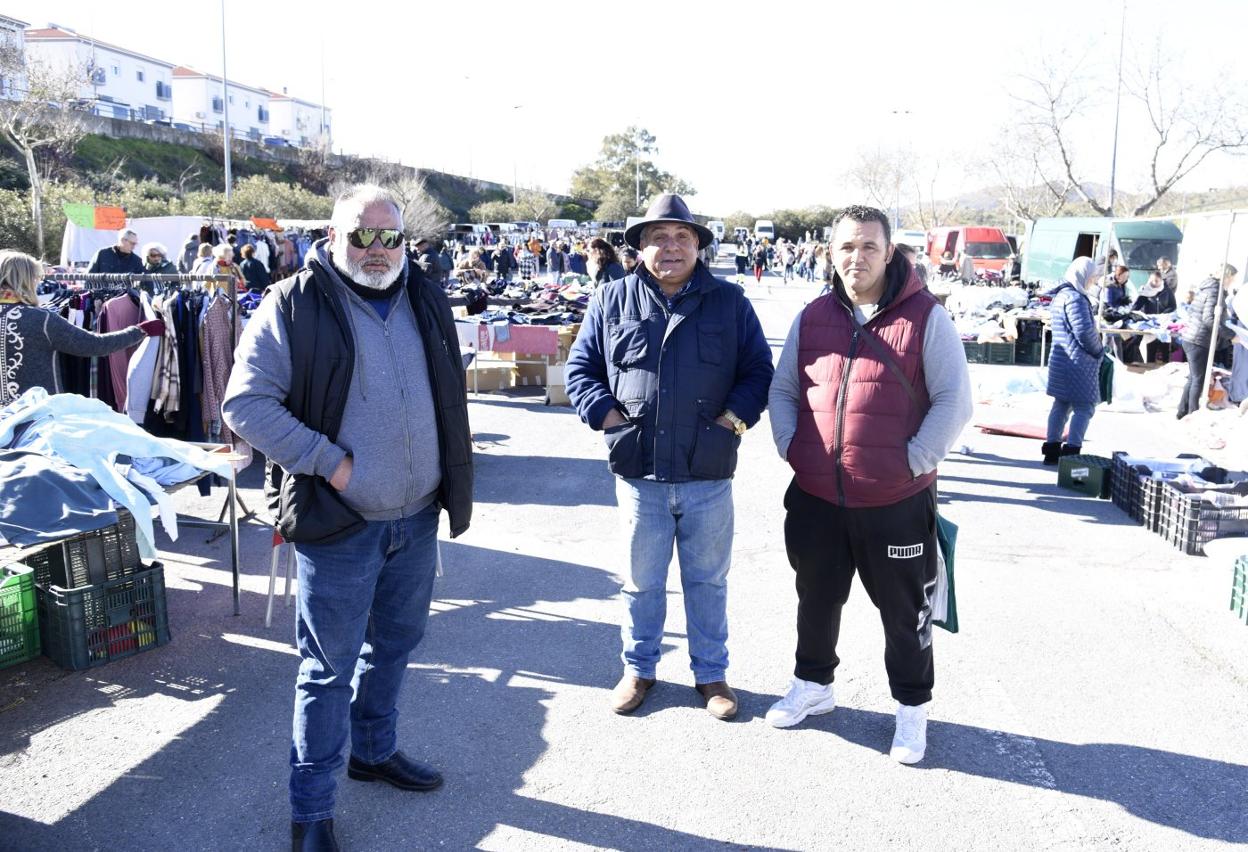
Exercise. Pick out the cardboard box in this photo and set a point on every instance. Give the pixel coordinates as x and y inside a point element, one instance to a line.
<point>567,335</point>
<point>556,393</point>
<point>530,375</point>
<point>490,376</point>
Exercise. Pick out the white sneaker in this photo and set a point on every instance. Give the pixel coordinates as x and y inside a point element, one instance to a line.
<point>910,740</point>
<point>804,698</point>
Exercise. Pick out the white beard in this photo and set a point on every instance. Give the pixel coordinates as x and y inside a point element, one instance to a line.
<point>371,280</point>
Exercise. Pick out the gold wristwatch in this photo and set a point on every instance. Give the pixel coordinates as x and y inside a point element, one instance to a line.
<point>738,425</point>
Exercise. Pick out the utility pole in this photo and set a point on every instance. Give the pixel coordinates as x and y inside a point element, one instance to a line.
<point>637,167</point>
<point>225,103</point>
<point>1113,163</point>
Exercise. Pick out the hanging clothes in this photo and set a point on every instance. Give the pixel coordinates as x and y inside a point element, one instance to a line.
<point>217,342</point>
<point>118,313</point>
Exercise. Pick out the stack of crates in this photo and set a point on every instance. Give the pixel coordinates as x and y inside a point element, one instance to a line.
<point>1191,519</point>
<point>19,628</point>
<point>96,601</point>
<point>1126,486</point>
<point>988,353</point>
<point>1239,589</point>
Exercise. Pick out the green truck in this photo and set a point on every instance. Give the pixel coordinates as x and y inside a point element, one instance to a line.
<point>1053,243</point>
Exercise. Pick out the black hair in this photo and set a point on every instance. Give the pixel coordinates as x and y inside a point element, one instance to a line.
<point>863,213</point>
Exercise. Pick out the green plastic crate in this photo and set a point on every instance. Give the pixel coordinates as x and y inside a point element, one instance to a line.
<point>976,353</point>
<point>93,625</point>
<point>1239,589</point>
<point>999,353</point>
<point>1088,474</point>
<point>19,626</point>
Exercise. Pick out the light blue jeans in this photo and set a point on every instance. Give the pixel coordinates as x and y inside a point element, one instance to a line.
<point>1079,420</point>
<point>697,517</point>
<point>363,604</point>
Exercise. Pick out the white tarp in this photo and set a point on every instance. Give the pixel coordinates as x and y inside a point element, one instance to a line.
<point>80,245</point>
<point>1205,246</point>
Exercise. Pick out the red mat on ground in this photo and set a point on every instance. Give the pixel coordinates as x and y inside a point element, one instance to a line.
<point>1018,430</point>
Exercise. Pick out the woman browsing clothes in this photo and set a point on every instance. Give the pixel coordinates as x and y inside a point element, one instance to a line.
<point>31,336</point>
<point>1075,362</point>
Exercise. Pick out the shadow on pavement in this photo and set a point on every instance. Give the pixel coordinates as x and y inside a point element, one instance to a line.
<point>542,480</point>
<point>1154,785</point>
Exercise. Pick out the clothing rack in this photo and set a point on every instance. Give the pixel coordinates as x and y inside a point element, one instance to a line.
<point>110,280</point>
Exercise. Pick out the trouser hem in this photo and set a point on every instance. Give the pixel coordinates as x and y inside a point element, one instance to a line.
<point>314,817</point>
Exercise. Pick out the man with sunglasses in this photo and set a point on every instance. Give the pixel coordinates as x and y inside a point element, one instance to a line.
<point>119,258</point>
<point>349,379</point>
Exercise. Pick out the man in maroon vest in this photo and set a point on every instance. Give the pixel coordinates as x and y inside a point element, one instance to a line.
<point>871,391</point>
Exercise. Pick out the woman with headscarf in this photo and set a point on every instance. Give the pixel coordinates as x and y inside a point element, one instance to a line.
<point>1075,360</point>
<point>33,335</point>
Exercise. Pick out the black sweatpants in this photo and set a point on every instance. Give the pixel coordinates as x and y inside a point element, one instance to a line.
<point>893,549</point>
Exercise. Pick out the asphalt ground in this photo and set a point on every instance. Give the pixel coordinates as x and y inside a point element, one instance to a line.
<point>1095,698</point>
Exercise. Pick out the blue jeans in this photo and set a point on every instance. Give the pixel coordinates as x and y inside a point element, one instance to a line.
<point>1078,422</point>
<point>697,516</point>
<point>363,605</point>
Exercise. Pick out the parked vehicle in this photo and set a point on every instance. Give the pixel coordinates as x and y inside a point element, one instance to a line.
<point>915,239</point>
<point>717,228</point>
<point>276,141</point>
<point>560,225</point>
<point>765,230</point>
<point>986,247</point>
<point>1052,244</point>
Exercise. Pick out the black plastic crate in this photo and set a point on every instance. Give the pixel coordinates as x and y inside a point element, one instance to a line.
<point>999,353</point>
<point>109,553</point>
<point>93,625</point>
<point>976,353</point>
<point>1028,353</point>
<point>1151,490</point>
<point>1126,486</point>
<point>1188,521</point>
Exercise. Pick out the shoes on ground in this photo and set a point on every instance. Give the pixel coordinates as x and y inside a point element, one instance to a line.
<point>910,739</point>
<point>721,701</point>
<point>630,692</point>
<point>804,698</point>
<point>398,771</point>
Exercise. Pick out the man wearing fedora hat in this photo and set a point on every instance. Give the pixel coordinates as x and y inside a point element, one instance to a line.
<point>672,365</point>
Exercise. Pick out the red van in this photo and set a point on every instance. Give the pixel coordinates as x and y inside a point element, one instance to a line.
<point>987,247</point>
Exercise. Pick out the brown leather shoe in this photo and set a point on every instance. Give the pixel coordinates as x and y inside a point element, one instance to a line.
<point>629,693</point>
<point>721,701</point>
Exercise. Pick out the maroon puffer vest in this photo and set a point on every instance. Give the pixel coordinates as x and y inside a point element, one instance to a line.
<point>854,415</point>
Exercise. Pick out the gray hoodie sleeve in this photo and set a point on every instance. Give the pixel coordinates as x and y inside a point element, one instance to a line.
<point>254,405</point>
<point>785,391</point>
<point>948,388</point>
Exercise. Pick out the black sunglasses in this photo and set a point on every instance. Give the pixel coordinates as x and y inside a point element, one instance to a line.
<point>362,238</point>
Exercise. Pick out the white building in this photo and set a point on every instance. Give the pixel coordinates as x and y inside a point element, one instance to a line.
<point>117,82</point>
<point>12,37</point>
<point>303,124</point>
<point>200,100</point>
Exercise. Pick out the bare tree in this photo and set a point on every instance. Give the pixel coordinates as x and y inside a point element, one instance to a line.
<point>41,121</point>
<point>880,174</point>
<point>423,216</point>
<point>1188,121</point>
<point>1030,185</point>
<point>536,206</point>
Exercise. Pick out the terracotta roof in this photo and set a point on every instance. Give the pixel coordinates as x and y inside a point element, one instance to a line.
<point>54,34</point>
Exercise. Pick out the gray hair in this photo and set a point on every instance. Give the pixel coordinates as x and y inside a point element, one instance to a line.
<point>126,232</point>
<point>150,247</point>
<point>223,251</point>
<point>351,204</point>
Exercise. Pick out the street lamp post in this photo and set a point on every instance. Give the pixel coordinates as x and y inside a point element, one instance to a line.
<point>225,105</point>
<point>1113,163</point>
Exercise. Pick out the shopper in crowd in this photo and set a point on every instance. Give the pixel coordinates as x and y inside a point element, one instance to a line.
<point>787,259</point>
<point>33,336</point>
<point>628,259</point>
<point>1169,275</point>
<point>425,257</point>
<point>1154,299</point>
<point>557,261</point>
<point>864,444</point>
<point>361,493</point>
<point>223,263</point>
<point>741,257</point>
<point>672,365</point>
<point>156,260</point>
<point>947,265</point>
<point>578,263</point>
<point>1198,333</point>
<point>119,258</point>
<point>254,272</point>
<point>1237,316</point>
<point>603,264</point>
<point>1116,295</point>
<point>204,262</point>
<point>1074,361</point>
<point>190,251</point>
<point>760,260</point>
<point>909,253</point>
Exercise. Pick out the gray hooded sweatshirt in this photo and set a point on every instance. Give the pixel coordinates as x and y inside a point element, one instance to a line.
<point>388,427</point>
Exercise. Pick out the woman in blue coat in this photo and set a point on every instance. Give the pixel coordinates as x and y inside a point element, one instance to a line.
<point>1074,363</point>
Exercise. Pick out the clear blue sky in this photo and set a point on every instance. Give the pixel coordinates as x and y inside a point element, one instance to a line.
<point>758,108</point>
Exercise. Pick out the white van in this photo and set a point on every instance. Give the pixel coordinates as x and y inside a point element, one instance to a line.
<point>717,228</point>
<point>561,225</point>
<point>765,230</point>
<point>915,239</point>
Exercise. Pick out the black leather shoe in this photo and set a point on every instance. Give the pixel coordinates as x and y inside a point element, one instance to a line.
<point>399,771</point>
<point>313,836</point>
